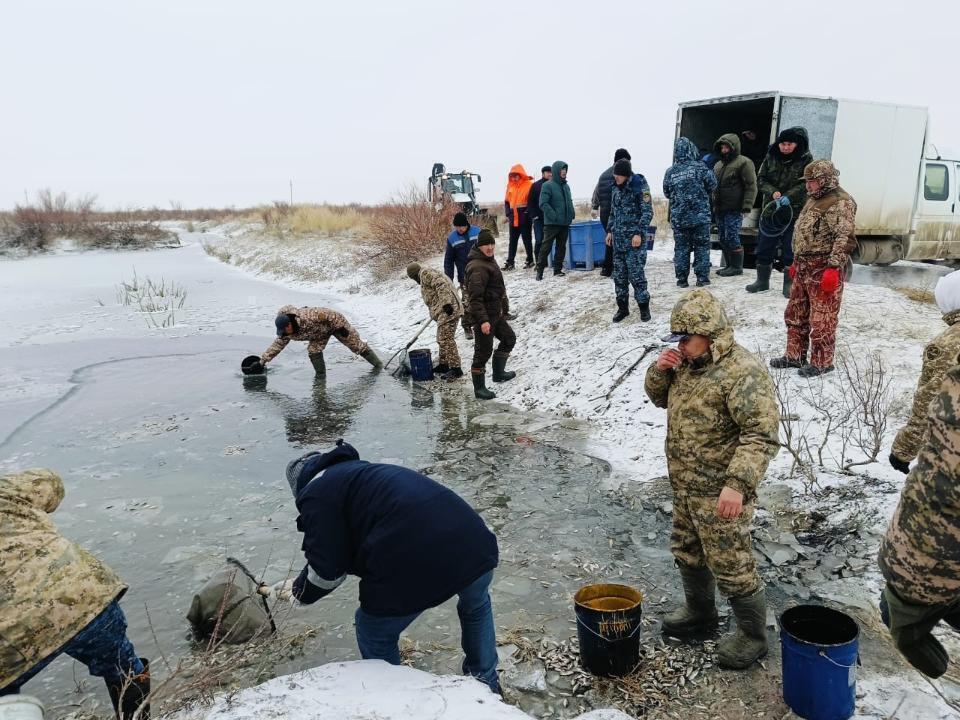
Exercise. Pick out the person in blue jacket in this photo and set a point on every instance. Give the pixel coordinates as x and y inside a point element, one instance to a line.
<point>460,242</point>
<point>413,543</point>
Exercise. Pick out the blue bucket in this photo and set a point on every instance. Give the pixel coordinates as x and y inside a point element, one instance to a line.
<point>421,364</point>
<point>820,656</point>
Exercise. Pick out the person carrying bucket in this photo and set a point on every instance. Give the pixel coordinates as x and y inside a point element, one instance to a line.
<point>413,543</point>
<point>57,598</point>
<point>722,432</point>
<point>445,308</point>
<point>315,325</point>
<point>918,554</point>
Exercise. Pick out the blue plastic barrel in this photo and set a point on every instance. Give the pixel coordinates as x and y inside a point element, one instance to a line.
<point>585,246</point>
<point>820,649</point>
<point>421,364</point>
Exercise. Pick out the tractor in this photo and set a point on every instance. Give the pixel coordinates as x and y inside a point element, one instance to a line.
<point>461,189</point>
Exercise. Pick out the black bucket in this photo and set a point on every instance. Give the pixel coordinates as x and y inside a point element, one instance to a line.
<point>608,626</point>
<point>251,365</point>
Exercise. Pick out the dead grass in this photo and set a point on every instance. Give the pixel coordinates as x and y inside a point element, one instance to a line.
<point>285,219</point>
<point>920,295</point>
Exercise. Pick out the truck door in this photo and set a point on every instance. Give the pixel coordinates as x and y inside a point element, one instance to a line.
<point>937,235</point>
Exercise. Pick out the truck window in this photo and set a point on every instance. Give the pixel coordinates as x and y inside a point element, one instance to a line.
<point>936,183</point>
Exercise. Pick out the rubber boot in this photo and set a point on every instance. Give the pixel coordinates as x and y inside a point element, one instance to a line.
<point>539,273</point>
<point>644,311</point>
<point>787,282</point>
<point>700,611</point>
<point>454,373</point>
<point>480,391</point>
<point>371,357</point>
<point>500,373</point>
<point>319,366</point>
<point>128,697</point>
<point>762,283</point>
<point>740,649</point>
<point>809,371</point>
<point>783,363</point>
<point>441,368</point>
<point>735,264</point>
<point>724,260</point>
<point>623,310</point>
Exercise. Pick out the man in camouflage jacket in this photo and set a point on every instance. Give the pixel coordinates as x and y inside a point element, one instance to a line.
<point>823,240</point>
<point>688,184</point>
<point>55,597</point>
<point>722,432</point>
<point>445,308</point>
<point>920,554</point>
<point>940,355</point>
<point>630,215</point>
<point>315,325</point>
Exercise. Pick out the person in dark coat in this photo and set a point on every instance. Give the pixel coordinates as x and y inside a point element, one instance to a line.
<point>602,199</point>
<point>459,244</point>
<point>413,543</point>
<point>489,306</point>
<point>533,207</point>
<point>558,209</point>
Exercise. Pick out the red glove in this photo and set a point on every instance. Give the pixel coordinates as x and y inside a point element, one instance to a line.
<point>792,272</point>
<point>830,280</point>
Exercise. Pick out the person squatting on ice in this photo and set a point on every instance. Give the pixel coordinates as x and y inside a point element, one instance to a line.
<point>413,543</point>
<point>315,325</point>
<point>722,432</point>
<point>822,242</point>
<point>443,302</point>
<point>57,598</point>
<point>689,185</point>
<point>631,211</point>
<point>489,306</point>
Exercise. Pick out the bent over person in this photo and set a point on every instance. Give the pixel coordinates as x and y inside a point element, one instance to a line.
<point>413,543</point>
<point>56,598</point>
<point>823,239</point>
<point>489,306</point>
<point>919,555</point>
<point>315,325</point>
<point>722,432</point>
<point>443,302</point>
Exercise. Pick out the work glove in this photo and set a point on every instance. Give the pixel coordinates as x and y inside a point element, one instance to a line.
<point>898,464</point>
<point>830,280</point>
<point>783,201</point>
<point>792,272</point>
<point>282,590</point>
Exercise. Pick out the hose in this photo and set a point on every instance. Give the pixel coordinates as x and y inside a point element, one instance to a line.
<point>775,219</point>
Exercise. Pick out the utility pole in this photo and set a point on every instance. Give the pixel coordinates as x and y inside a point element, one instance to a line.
<point>291,193</point>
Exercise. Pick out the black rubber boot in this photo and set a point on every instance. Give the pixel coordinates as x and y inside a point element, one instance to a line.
<point>787,282</point>
<point>500,373</point>
<point>453,373</point>
<point>539,273</point>
<point>762,283</point>
<point>809,371</point>
<point>735,266</point>
<point>441,368</point>
<point>700,611</point>
<point>131,696</point>
<point>644,311</point>
<point>319,366</point>
<point>623,310</point>
<point>724,260</point>
<point>371,357</point>
<point>480,391</point>
<point>741,649</point>
<point>783,363</point>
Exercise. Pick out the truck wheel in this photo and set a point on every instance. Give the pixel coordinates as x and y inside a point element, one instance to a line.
<point>848,268</point>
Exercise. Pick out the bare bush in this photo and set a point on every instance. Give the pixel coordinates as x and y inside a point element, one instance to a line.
<point>867,399</point>
<point>157,300</point>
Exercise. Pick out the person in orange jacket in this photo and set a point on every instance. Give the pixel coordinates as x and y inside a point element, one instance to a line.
<point>518,217</point>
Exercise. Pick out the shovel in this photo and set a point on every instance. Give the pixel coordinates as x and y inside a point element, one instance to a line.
<point>407,346</point>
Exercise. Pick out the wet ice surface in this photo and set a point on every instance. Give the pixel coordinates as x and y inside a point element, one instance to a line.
<point>174,462</point>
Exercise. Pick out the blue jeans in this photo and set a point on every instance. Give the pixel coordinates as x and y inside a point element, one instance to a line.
<point>378,637</point>
<point>537,237</point>
<point>767,247</point>
<point>102,646</point>
<point>728,229</point>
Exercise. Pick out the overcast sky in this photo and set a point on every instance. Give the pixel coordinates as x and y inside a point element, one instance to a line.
<point>222,103</point>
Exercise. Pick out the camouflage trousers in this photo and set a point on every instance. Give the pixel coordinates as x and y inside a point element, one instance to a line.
<point>446,334</point>
<point>812,314</point>
<point>102,646</point>
<point>694,239</point>
<point>628,269</point>
<point>700,538</point>
<point>345,333</point>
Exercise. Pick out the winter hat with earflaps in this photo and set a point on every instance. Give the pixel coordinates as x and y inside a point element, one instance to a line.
<point>947,292</point>
<point>302,470</point>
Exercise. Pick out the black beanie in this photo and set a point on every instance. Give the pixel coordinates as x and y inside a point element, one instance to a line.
<point>789,135</point>
<point>460,220</point>
<point>546,168</point>
<point>623,168</point>
<point>485,238</point>
<point>621,154</point>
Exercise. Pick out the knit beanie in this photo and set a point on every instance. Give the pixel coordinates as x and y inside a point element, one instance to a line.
<point>413,270</point>
<point>623,168</point>
<point>621,154</point>
<point>485,238</point>
<point>460,220</point>
<point>546,168</point>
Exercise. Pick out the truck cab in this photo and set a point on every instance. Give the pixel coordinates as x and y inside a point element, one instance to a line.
<point>937,220</point>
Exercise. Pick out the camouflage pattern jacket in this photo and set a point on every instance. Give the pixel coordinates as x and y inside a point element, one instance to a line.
<point>50,588</point>
<point>437,290</point>
<point>631,211</point>
<point>688,184</point>
<point>315,323</point>
<point>826,227</point>
<point>722,418</point>
<point>920,554</point>
<point>941,354</point>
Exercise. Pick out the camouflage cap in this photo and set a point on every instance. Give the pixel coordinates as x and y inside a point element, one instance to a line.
<point>820,170</point>
<point>697,312</point>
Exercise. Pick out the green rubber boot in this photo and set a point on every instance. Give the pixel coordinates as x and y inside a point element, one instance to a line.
<point>740,649</point>
<point>700,611</point>
<point>762,283</point>
<point>734,264</point>
<point>371,357</point>
<point>480,391</point>
<point>500,372</point>
<point>319,365</point>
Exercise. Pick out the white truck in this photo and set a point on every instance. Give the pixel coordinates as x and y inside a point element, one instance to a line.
<point>907,191</point>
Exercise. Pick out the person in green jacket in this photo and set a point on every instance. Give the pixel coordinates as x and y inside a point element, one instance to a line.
<point>556,202</point>
<point>734,198</point>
